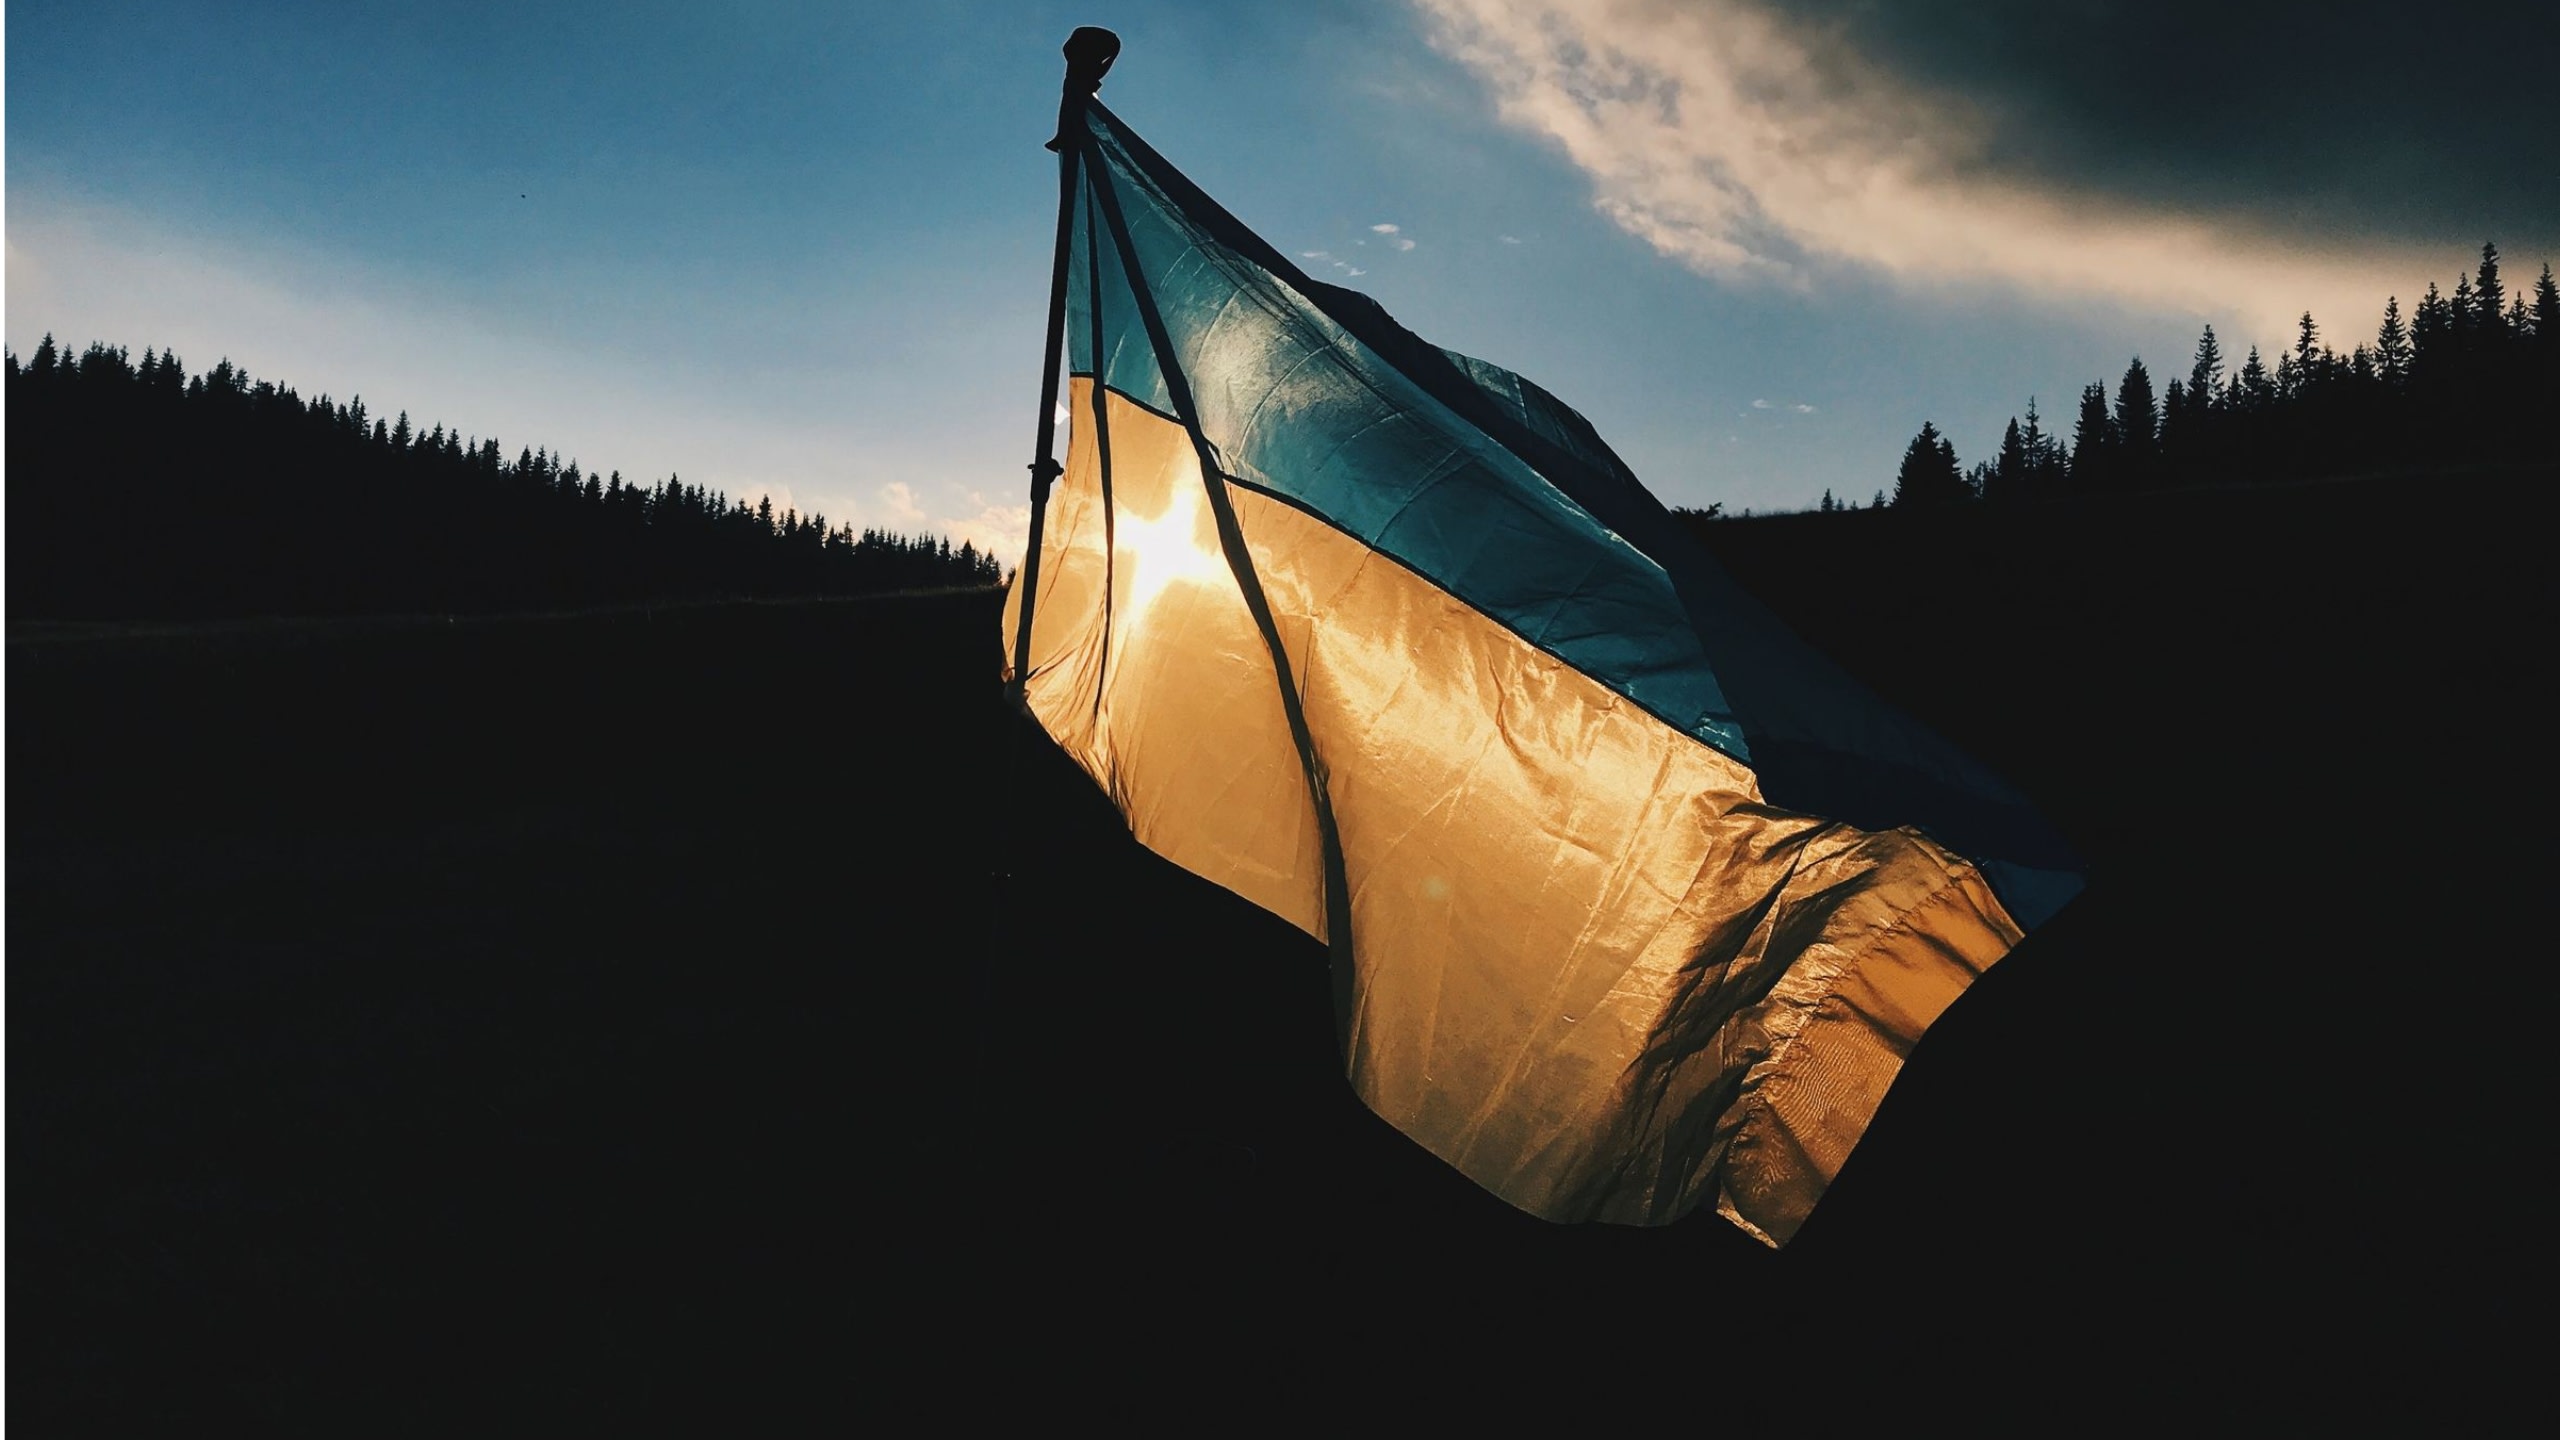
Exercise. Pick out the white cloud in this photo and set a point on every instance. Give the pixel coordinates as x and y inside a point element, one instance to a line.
<point>782,498</point>
<point>1509,239</point>
<point>1394,234</point>
<point>1749,150</point>
<point>1315,254</point>
<point>1801,409</point>
<point>899,508</point>
<point>999,529</point>
<point>1762,404</point>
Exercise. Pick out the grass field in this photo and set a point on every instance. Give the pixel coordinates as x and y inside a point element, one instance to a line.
<point>445,1025</point>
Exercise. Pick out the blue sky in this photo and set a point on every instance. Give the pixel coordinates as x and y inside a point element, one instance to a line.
<point>800,249</point>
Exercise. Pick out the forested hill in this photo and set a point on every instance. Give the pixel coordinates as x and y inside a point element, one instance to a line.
<point>138,491</point>
<point>2468,382</point>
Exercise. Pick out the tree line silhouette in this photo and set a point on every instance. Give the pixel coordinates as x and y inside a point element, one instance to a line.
<point>138,490</point>
<point>2469,379</point>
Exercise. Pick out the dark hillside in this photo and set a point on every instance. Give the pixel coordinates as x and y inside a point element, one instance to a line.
<point>556,1017</point>
<point>140,492</point>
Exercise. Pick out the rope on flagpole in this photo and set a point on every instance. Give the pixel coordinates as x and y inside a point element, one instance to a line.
<point>1089,51</point>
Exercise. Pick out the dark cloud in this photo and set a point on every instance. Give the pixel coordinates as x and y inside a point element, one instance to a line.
<point>2427,123</point>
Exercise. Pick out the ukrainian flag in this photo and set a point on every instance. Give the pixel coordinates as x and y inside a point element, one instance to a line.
<point>1634,901</point>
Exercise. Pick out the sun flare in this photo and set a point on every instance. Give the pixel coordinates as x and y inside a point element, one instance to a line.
<point>1176,546</point>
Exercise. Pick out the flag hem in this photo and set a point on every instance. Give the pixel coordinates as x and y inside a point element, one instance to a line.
<point>1795,1132</point>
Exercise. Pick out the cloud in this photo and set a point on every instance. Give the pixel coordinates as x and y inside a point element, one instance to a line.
<point>1757,146</point>
<point>1393,234</point>
<point>1001,529</point>
<point>998,528</point>
<point>1315,254</point>
<point>899,508</point>
<point>1508,239</point>
<point>2321,116</point>
<point>782,498</point>
<point>1762,404</point>
<point>1801,408</point>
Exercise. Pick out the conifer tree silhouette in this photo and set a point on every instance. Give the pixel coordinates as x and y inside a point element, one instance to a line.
<point>2093,442</point>
<point>2204,377</point>
<point>2489,300</point>
<point>2391,347</point>
<point>2008,478</point>
<point>238,497</point>
<point>1930,475</point>
<point>2136,432</point>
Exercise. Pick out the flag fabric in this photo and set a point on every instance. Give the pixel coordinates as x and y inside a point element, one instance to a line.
<point>1634,901</point>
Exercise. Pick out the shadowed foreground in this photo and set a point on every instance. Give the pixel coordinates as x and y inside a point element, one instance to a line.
<point>422,1023</point>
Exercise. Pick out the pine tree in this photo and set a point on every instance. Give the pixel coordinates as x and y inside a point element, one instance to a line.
<point>2430,335</point>
<point>2391,346</point>
<point>2204,378</point>
<point>2045,465</point>
<point>2137,426</point>
<point>2093,441</point>
<point>2489,299</point>
<point>2257,389</point>
<point>2176,438</point>
<point>2009,473</point>
<point>1929,475</point>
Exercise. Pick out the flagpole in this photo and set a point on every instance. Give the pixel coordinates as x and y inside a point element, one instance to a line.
<point>1089,51</point>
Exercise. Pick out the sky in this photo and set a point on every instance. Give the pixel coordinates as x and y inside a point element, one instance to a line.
<point>800,249</point>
